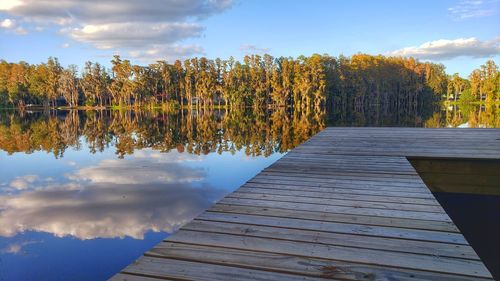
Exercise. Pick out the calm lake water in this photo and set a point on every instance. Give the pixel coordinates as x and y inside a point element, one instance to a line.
<point>84,193</point>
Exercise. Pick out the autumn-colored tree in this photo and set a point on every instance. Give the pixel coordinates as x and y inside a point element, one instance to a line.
<point>54,69</point>
<point>456,86</point>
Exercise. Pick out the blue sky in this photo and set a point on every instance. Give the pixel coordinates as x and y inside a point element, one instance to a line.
<point>461,34</point>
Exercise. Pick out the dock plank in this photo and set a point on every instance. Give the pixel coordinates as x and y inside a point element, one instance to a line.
<point>332,269</point>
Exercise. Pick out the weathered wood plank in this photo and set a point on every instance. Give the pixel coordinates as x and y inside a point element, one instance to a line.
<point>344,187</point>
<point>353,184</point>
<point>293,264</point>
<point>352,202</point>
<point>367,230</point>
<point>333,217</point>
<point>297,233</point>
<point>316,250</point>
<point>339,209</point>
<point>164,268</point>
<point>341,191</point>
<point>343,196</point>
<point>130,277</point>
<point>407,181</point>
<point>298,180</point>
<point>378,177</point>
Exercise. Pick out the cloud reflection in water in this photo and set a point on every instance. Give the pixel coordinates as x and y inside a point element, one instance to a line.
<point>116,198</point>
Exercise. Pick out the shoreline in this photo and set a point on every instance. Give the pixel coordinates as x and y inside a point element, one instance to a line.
<point>177,107</point>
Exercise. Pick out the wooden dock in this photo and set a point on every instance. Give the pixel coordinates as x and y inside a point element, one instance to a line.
<point>345,205</point>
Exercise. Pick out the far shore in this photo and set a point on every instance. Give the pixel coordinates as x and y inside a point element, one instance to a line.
<point>178,107</point>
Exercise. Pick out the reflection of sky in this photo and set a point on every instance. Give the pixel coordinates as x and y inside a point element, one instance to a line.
<point>91,214</point>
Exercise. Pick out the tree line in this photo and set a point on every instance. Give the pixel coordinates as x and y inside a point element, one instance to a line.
<point>303,83</point>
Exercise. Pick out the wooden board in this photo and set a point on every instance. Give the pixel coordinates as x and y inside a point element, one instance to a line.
<point>344,205</point>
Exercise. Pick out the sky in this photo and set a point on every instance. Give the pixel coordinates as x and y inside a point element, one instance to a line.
<point>461,34</point>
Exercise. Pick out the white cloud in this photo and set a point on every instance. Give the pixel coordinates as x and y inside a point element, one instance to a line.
<point>113,11</point>
<point>133,35</point>
<point>252,49</point>
<point>447,49</point>
<point>12,248</point>
<point>169,52</point>
<point>466,9</point>
<point>12,25</point>
<point>65,46</point>
<point>23,182</point>
<point>9,4</point>
<point>135,27</point>
<point>16,247</point>
<point>7,23</point>
<point>20,31</point>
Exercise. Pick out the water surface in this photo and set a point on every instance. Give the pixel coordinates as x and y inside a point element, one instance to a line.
<point>469,191</point>
<point>84,193</point>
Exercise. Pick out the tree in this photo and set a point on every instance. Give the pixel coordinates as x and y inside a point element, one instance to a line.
<point>68,86</point>
<point>54,69</point>
<point>476,84</point>
<point>17,84</point>
<point>489,72</point>
<point>456,86</point>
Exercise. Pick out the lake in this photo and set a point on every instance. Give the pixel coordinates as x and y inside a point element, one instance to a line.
<point>84,193</point>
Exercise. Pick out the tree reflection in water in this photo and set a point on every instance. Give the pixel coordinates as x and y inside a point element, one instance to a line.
<point>259,132</point>
<point>196,132</point>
